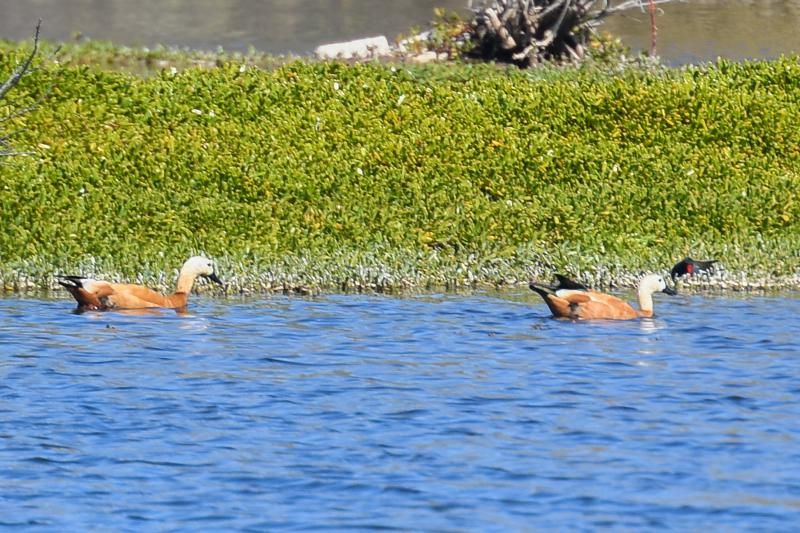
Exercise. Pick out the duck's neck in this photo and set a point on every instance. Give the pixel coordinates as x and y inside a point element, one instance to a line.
<point>645,303</point>
<point>185,281</point>
<point>177,300</point>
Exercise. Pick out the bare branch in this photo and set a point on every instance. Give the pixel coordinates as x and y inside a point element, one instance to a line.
<point>17,75</point>
<point>13,80</point>
<point>632,4</point>
<point>28,108</point>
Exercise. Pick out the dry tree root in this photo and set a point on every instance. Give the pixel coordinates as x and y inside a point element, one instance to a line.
<point>528,32</point>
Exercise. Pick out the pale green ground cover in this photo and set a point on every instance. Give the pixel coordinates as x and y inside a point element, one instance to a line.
<point>379,176</point>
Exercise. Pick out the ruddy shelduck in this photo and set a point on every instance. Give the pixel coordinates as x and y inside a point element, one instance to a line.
<point>96,295</point>
<point>568,300</point>
<point>690,267</point>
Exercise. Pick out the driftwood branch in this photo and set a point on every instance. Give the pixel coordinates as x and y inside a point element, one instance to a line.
<point>526,32</point>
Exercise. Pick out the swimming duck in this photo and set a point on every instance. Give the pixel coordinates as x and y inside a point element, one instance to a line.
<point>99,295</point>
<point>690,267</point>
<point>580,303</point>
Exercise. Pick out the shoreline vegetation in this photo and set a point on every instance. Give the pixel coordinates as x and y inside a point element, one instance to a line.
<point>301,176</point>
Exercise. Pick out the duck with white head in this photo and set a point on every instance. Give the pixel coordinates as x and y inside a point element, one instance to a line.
<point>571,300</point>
<point>98,295</point>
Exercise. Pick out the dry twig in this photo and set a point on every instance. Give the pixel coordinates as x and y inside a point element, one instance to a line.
<point>12,81</point>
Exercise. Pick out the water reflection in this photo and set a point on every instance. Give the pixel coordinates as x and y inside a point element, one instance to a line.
<point>149,311</point>
<point>648,325</point>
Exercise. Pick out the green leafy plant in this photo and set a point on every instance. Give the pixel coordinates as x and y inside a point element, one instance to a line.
<point>380,176</point>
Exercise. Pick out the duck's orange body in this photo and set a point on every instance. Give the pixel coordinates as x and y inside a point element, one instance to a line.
<point>99,295</point>
<point>587,304</point>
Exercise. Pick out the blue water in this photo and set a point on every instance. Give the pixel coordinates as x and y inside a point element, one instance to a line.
<point>431,413</point>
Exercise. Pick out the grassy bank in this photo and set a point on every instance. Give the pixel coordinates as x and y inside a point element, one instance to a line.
<point>341,176</point>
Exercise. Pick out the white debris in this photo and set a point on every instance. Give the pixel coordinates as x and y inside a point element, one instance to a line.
<point>360,48</point>
<point>407,44</point>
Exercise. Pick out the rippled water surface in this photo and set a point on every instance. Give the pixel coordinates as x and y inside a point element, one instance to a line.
<point>435,413</point>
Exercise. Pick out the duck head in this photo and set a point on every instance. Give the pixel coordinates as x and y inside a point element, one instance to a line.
<point>655,283</point>
<point>690,267</point>
<point>202,267</point>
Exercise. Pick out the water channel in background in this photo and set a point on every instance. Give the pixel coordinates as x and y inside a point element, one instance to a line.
<point>698,30</point>
<point>439,412</point>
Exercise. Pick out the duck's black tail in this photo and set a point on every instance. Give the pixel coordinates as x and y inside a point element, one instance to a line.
<point>541,290</point>
<point>566,283</point>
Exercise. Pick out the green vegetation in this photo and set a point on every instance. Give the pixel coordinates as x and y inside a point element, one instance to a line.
<point>346,176</point>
